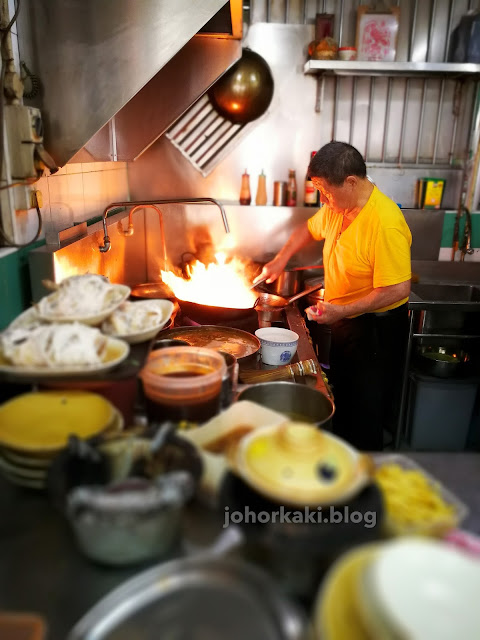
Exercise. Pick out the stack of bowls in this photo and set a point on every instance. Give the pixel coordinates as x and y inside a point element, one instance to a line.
<point>410,588</point>
<point>35,427</point>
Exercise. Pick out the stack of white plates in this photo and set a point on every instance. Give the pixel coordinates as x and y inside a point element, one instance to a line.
<point>412,588</point>
<point>35,427</point>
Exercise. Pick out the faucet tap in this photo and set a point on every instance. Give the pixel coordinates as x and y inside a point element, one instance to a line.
<point>466,247</point>
<point>138,204</point>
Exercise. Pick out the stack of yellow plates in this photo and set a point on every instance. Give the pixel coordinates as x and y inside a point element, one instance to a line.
<point>35,426</point>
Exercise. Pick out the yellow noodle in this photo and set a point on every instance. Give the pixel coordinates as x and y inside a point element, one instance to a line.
<point>411,498</point>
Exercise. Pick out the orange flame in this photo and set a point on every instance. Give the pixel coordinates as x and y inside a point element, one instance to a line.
<point>223,284</point>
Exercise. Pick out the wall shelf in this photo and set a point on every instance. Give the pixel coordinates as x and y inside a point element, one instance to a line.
<point>363,67</point>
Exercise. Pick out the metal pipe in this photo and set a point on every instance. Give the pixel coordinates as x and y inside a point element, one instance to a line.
<point>370,112</point>
<point>340,28</point>
<point>449,29</point>
<point>335,107</point>
<point>320,93</point>
<point>287,3</point>
<point>268,11</point>
<point>129,230</point>
<point>305,11</point>
<point>106,246</point>
<point>412,32</point>
<point>387,117</point>
<point>352,109</point>
<point>404,387</point>
<point>404,120</point>
<point>420,125</point>
<point>457,98</point>
<point>430,31</point>
<point>439,119</point>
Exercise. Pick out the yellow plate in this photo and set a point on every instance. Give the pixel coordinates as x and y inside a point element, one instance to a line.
<point>42,421</point>
<point>337,614</point>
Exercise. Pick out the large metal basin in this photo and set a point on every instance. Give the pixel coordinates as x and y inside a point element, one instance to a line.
<point>447,292</point>
<point>446,307</point>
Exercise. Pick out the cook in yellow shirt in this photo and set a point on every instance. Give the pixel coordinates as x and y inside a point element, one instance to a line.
<point>373,251</point>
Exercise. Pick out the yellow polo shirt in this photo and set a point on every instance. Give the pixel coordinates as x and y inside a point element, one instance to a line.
<point>372,252</point>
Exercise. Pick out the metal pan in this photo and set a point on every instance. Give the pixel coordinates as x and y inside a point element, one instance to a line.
<point>206,596</point>
<point>269,300</point>
<point>241,344</point>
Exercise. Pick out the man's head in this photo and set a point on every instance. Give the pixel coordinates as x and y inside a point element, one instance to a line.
<point>336,171</point>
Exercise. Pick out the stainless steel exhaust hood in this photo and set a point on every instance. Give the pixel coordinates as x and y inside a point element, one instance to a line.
<point>116,74</point>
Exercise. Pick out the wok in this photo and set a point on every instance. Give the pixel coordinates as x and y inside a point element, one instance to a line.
<point>206,314</point>
<point>244,92</point>
<point>149,290</point>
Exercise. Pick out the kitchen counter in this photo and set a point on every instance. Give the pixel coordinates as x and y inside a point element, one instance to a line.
<point>41,569</point>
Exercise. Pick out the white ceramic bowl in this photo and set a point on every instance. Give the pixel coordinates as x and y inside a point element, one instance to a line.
<point>423,589</point>
<point>278,345</point>
<point>164,308</point>
<point>93,319</point>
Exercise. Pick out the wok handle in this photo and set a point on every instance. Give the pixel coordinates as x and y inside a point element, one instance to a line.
<point>305,293</point>
<point>311,266</point>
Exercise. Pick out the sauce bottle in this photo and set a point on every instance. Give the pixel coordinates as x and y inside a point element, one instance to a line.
<point>261,197</point>
<point>311,196</point>
<point>245,195</point>
<point>291,189</point>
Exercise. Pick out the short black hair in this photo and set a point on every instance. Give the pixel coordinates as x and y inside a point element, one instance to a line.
<point>335,161</point>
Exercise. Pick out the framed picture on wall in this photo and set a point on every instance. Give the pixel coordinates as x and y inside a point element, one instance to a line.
<point>377,34</point>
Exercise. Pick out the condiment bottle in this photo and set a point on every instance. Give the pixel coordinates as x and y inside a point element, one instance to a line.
<point>291,189</point>
<point>261,197</point>
<point>245,195</point>
<point>311,195</point>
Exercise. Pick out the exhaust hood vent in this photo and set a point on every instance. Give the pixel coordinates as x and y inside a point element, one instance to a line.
<point>117,73</point>
<point>205,137</point>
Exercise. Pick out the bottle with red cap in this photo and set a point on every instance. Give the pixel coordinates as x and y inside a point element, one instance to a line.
<point>311,195</point>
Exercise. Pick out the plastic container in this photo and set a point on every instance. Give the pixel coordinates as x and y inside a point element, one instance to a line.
<point>435,527</point>
<point>183,383</point>
<point>347,53</point>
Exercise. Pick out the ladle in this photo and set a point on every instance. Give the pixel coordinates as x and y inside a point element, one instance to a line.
<point>269,300</point>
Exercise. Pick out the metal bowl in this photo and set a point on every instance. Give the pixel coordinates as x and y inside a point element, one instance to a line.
<point>442,362</point>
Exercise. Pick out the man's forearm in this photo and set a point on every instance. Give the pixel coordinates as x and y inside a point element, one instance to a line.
<point>326,313</point>
<point>297,240</point>
<point>378,298</point>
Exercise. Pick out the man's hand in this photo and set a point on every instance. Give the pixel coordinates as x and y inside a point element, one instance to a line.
<point>326,313</point>
<point>272,270</point>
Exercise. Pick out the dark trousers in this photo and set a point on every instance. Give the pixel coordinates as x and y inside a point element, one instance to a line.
<point>367,357</point>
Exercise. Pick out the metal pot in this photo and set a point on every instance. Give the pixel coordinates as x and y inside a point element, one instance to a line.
<point>298,401</point>
<point>244,92</point>
<point>442,362</point>
<point>288,283</point>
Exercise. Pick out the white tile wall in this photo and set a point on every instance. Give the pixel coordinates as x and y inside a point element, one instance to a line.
<point>77,192</point>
